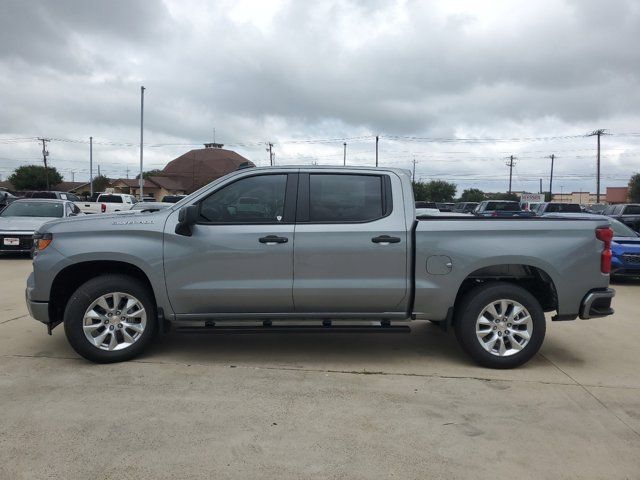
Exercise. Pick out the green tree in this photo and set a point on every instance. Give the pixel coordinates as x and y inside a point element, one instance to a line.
<point>420,191</point>
<point>100,183</point>
<point>150,173</point>
<point>472,195</point>
<point>503,196</point>
<point>634,188</point>
<point>434,191</point>
<point>441,191</point>
<point>34,177</point>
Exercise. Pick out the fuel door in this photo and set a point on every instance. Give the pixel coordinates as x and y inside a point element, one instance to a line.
<point>439,265</point>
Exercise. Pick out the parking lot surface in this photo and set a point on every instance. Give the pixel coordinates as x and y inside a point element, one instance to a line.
<point>359,406</point>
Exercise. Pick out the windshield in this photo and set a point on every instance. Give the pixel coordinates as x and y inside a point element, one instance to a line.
<point>34,209</point>
<point>621,230</point>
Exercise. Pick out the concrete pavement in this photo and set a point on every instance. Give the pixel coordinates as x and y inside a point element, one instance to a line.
<point>323,406</point>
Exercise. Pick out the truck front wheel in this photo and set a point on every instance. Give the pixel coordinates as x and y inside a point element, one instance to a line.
<point>500,325</point>
<point>110,318</point>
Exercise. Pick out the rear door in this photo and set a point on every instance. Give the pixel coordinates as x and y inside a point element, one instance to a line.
<point>239,258</point>
<point>351,244</point>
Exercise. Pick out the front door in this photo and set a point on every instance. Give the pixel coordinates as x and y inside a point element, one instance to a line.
<point>239,258</point>
<point>351,244</point>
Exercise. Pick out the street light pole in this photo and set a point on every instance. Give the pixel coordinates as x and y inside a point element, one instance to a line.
<point>345,154</point>
<point>141,183</point>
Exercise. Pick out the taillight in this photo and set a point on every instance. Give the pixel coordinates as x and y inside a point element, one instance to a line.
<point>605,234</point>
<point>103,207</point>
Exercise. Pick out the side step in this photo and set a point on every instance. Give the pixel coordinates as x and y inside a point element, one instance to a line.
<point>295,329</point>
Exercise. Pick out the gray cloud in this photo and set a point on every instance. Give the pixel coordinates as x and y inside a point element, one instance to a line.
<point>280,70</point>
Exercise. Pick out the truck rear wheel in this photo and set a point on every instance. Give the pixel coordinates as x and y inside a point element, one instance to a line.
<point>500,325</point>
<point>110,318</point>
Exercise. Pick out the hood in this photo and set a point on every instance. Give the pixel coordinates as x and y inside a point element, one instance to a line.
<point>23,224</point>
<point>107,222</point>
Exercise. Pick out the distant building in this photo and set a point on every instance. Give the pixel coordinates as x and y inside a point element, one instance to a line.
<point>583,198</point>
<point>187,173</point>
<point>618,195</point>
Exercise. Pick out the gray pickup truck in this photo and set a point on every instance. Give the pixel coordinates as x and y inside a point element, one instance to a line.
<point>271,247</point>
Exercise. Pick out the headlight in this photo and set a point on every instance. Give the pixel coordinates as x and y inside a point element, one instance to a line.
<point>41,241</point>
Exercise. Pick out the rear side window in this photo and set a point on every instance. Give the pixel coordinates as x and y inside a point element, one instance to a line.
<point>632,210</point>
<point>345,198</point>
<point>421,204</point>
<point>110,199</point>
<point>563,207</point>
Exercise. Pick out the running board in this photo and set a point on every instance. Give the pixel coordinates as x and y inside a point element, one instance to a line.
<point>295,329</point>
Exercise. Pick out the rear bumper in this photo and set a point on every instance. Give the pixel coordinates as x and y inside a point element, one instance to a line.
<point>597,303</point>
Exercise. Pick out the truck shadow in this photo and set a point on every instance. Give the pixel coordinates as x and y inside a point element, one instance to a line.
<point>347,349</point>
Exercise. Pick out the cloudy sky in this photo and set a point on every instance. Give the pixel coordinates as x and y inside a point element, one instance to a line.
<point>457,85</point>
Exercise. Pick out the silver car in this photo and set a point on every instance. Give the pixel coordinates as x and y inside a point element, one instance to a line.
<point>22,218</point>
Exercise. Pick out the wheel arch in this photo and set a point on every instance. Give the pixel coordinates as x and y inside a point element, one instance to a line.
<point>70,278</point>
<point>529,277</point>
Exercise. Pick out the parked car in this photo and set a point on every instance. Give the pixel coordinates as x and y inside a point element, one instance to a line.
<point>55,195</point>
<point>145,207</point>
<point>358,253</point>
<point>108,203</point>
<point>498,208</point>
<point>557,207</point>
<point>6,198</point>
<point>445,206</point>
<point>20,219</point>
<point>426,208</point>
<point>627,213</point>
<point>465,207</point>
<point>172,198</point>
<point>625,245</point>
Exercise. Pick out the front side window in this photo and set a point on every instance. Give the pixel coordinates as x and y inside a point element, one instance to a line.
<point>258,199</point>
<point>345,198</point>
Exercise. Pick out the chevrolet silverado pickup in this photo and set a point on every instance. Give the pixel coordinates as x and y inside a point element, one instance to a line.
<point>314,247</point>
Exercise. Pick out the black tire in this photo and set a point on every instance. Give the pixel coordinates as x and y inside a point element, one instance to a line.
<point>85,295</point>
<point>472,305</point>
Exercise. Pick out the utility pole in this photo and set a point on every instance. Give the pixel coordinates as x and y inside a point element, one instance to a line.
<point>540,186</point>
<point>141,139</point>
<point>414,170</point>
<point>552,157</point>
<point>598,133</point>
<point>73,176</point>
<point>45,154</point>
<point>377,150</point>
<point>127,171</point>
<point>91,166</point>
<point>510,164</point>
<point>345,154</point>
<point>270,150</point>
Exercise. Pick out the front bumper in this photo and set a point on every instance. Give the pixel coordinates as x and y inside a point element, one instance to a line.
<point>597,303</point>
<point>25,242</point>
<point>38,310</point>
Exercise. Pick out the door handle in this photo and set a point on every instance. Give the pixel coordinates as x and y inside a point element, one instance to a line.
<point>271,239</point>
<point>385,239</point>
